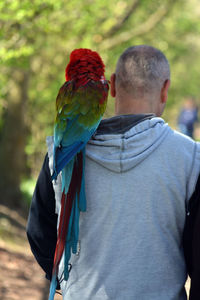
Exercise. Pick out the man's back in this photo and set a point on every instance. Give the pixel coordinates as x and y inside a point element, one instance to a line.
<point>137,186</point>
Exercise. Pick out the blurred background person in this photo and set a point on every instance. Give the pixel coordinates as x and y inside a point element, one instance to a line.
<point>188,117</point>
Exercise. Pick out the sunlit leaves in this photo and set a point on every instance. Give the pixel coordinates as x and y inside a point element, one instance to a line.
<point>39,35</point>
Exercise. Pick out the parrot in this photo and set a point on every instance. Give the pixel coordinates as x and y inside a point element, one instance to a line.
<point>80,105</point>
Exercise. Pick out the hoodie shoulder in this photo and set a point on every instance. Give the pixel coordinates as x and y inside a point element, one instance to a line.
<point>122,152</point>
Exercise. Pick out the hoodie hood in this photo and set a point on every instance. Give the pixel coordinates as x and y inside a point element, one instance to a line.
<point>120,152</point>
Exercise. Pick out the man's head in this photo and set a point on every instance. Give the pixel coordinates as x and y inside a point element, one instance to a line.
<point>141,81</point>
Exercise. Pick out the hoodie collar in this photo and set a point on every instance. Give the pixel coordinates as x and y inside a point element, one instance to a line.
<point>121,124</point>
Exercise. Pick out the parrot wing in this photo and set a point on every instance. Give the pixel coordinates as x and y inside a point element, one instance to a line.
<point>79,111</point>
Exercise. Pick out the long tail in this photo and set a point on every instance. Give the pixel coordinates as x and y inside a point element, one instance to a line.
<point>72,202</point>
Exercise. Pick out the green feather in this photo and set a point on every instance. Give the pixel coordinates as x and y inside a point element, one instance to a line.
<point>83,102</point>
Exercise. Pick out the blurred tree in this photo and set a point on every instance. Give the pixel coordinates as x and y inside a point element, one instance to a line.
<point>21,38</point>
<point>13,138</point>
<point>36,38</point>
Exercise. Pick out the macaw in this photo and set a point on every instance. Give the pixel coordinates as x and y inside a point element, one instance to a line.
<point>80,105</point>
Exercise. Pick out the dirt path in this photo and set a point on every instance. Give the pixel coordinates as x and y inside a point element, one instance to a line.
<point>20,275</point>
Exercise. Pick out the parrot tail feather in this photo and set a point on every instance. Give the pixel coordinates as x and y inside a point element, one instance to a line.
<point>53,285</point>
<point>68,229</point>
<point>73,228</point>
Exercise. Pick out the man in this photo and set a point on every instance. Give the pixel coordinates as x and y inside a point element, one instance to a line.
<point>188,117</point>
<point>142,189</point>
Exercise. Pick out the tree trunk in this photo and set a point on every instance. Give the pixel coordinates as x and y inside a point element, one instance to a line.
<point>13,140</point>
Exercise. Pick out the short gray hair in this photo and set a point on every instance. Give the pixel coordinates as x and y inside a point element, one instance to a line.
<point>142,70</point>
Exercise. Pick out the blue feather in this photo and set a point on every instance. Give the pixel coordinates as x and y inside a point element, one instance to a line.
<point>53,286</point>
<point>82,197</point>
<point>66,175</point>
<point>63,156</point>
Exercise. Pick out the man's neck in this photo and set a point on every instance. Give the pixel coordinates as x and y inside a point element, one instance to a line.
<point>134,106</point>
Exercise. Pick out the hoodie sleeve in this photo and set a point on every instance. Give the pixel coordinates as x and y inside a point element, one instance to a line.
<point>42,221</point>
<point>191,242</point>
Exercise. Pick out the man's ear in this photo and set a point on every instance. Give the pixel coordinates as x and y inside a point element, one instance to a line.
<point>164,91</point>
<point>112,85</point>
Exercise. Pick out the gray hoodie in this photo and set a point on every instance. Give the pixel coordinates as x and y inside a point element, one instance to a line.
<point>138,184</point>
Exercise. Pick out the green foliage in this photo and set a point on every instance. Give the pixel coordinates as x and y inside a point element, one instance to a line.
<point>27,188</point>
<point>37,37</point>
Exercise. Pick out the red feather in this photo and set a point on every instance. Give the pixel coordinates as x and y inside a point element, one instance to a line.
<point>66,207</point>
<point>84,65</point>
